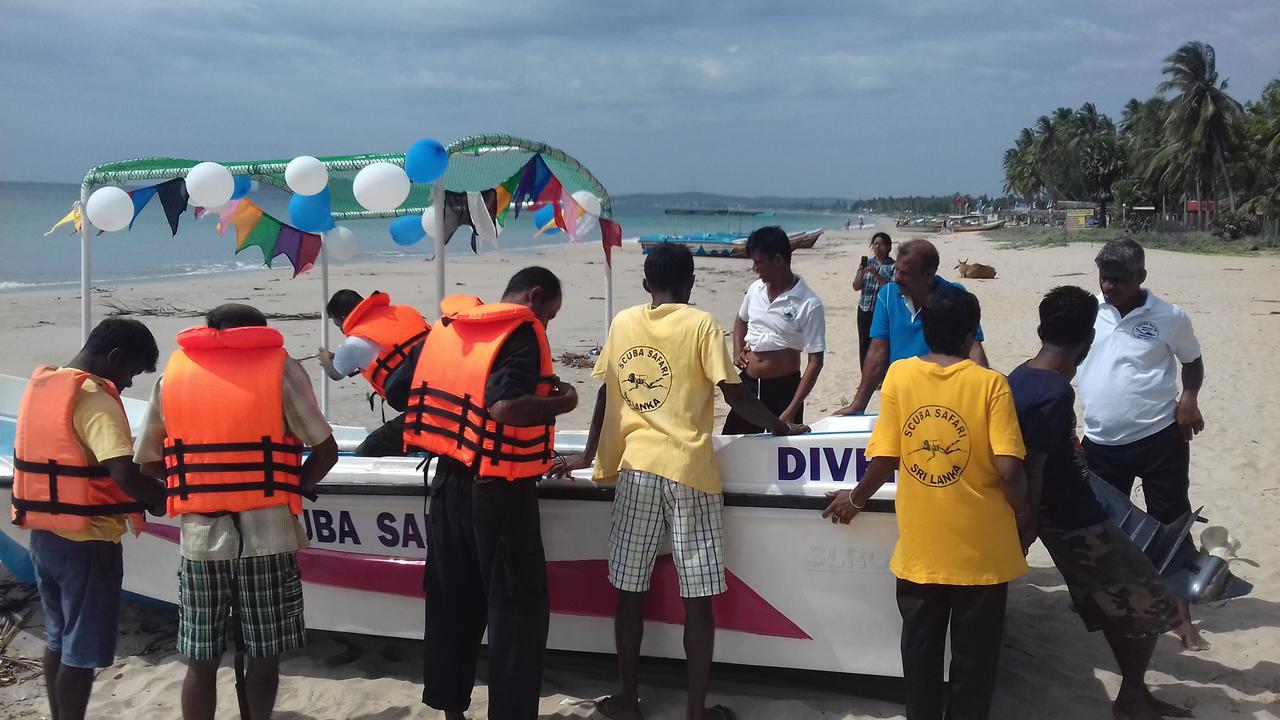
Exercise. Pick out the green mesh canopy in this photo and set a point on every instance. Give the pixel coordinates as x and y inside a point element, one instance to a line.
<point>476,163</point>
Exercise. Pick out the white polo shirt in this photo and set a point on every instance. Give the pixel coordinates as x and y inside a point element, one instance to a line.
<point>1129,381</point>
<point>794,320</point>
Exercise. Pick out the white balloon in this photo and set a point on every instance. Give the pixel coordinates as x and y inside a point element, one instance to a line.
<point>381,187</point>
<point>109,209</point>
<point>306,175</point>
<point>341,244</point>
<point>590,203</point>
<point>210,185</point>
<point>429,223</point>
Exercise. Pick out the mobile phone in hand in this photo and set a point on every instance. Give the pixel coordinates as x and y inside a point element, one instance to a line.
<point>863,261</point>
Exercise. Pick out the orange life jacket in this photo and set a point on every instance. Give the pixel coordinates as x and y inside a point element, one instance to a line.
<point>54,485</point>
<point>226,448</point>
<point>448,412</point>
<point>395,329</point>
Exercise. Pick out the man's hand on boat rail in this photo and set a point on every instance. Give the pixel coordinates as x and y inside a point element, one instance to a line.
<point>842,508</point>
<point>564,465</point>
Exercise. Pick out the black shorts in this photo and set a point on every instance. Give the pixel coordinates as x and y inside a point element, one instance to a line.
<point>775,393</point>
<point>1162,461</point>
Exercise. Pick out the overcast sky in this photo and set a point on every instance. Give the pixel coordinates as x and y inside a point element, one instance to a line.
<point>750,97</point>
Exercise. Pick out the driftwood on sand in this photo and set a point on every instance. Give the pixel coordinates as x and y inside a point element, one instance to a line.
<point>163,309</point>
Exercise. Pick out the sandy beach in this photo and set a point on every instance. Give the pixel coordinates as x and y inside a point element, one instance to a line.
<point>1051,668</point>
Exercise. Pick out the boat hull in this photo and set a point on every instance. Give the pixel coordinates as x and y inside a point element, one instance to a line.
<point>802,592</point>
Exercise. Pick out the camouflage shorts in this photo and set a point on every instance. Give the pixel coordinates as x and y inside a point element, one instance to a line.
<point>1112,583</point>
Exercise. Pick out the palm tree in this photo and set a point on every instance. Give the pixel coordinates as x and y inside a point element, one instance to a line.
<point>1203,123</point>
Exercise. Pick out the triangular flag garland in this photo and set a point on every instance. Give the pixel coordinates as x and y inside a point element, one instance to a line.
<point>533,183</point>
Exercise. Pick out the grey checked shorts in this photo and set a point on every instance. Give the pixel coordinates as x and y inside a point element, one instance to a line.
<point>268,592</point>
<point>647,508</point>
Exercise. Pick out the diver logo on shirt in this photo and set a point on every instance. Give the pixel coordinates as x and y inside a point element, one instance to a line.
<point>935,446</point>
<point>645,377</point>
<point>1146,331</point>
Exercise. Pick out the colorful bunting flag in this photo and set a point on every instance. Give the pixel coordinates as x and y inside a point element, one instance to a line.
<point>569,212</point>
<point>173,198</point>
<point>264,234</point>
<point>75,216</point>
<point>482,218</point>
<point>302,248</point>
<point>610,238</point>
<point>140,198</point>
<point>534,177</point>
<point>502,197</point>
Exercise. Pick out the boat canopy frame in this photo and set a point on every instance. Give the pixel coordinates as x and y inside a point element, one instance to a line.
<point>476,163</point>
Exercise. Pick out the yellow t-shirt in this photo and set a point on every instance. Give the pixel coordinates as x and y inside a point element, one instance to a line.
<point>103,431</point>
<point>947,424</point>
<point>661,367</point>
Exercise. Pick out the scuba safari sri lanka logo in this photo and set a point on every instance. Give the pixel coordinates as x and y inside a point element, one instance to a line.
<point>645,376</point>
<point>936,445</point>
<point>1146,330</point>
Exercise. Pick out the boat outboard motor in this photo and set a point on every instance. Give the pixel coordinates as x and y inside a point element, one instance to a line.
<point>1199,576</point>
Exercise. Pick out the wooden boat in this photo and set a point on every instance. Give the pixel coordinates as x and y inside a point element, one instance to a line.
<point>701,244</point>
<point>805,240</point>
<point>994,225</point>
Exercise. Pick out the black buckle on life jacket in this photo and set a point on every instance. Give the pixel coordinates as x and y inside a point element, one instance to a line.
<point>399,352</point>
<point>267,466</point>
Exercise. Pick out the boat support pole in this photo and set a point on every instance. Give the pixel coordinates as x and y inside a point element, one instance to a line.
<point>86,260</point>
<point>324,327</point>
<point>608,299</point>
<point>437,207</point>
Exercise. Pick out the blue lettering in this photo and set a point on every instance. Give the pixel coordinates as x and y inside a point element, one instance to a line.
<point>815,467</point>
<point>323,523</point>
<point>839,468</point>
<point>863,463</point>
<point>387,526</point>
<point>347,529</point>
<point>411,533</point>
<point>306,522</point>
<point>790,464</point>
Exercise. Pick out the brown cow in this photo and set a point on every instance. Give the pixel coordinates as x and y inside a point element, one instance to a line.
<point>976,271</point>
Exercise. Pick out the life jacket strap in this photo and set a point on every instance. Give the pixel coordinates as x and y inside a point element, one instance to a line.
<point>268,466</point>
<point>398,353</point>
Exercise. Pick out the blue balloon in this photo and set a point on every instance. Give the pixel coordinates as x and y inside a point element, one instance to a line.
<point>426,161</point>
<point>311,213</point>
<point>407,229</point>
<point>543,215</point>
<point>243,184</point>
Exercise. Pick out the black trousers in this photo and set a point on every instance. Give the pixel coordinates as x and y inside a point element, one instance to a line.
<point>864,335</point>
<point>975,614</point>
<point>386,441</point>
<point>1163,461</point>
<point>485,568</point>
<point>775,393</point>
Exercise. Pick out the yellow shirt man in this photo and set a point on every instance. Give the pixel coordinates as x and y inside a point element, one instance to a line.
<point>661,366</point>
<point>947,425</point>
<point>103,431</point>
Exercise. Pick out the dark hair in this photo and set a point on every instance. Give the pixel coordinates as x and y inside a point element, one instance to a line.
<point>534,277</point>
<point>234,315</point>
<point>928,253</point>
<point>949,316</point>
<point>668,267</point>
<point>770,242</point>
<point>1067,314</point>
<point>887,240</point>
<point>127,335</point>
<point>342,303</point>
<point>1122,254</point>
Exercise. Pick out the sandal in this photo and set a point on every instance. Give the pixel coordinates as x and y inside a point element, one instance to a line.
<point>612,708</point>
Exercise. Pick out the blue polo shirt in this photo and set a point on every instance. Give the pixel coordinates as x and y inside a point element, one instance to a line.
<point>895,323</point>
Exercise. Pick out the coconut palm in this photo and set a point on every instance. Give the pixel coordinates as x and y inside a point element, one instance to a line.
<point>1204,121</point>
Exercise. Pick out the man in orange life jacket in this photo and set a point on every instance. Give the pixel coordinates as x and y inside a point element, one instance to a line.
<point>485,408</point>
<point>227,430</point>
<point>380,339</point>
<point>75,485</point>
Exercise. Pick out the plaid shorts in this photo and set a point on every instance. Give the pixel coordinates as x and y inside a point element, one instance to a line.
<point>647,508</point>
<point>267,590</point>
<point>1112,583</point>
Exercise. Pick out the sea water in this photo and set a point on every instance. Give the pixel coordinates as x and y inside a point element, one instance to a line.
<point>148,251</point>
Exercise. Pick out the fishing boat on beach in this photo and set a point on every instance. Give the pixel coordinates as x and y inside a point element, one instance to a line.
<point>973,223</point>
<point>722,244</point>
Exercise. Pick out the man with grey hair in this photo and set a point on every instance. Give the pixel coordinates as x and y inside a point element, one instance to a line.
<point>1136,424</point>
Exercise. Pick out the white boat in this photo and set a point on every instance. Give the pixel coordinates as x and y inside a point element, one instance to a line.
<point>802,592</point>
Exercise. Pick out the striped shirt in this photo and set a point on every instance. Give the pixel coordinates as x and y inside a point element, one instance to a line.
<point>873,276</point>
<point>265,531</point>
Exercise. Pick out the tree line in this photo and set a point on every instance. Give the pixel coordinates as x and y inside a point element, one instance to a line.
<point>1191,141</point>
